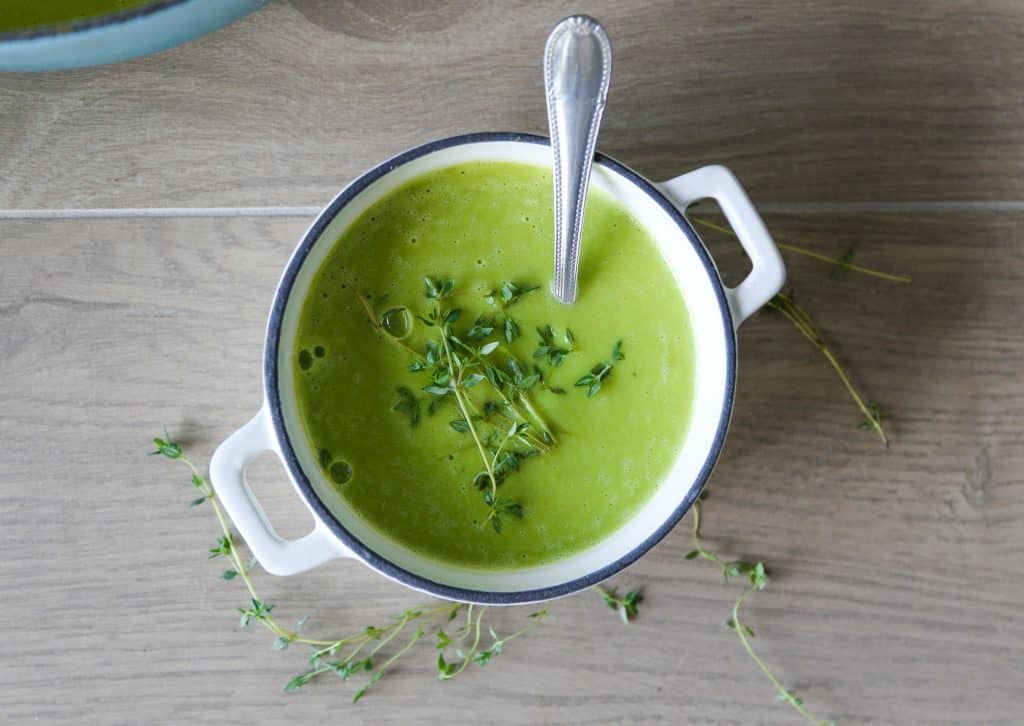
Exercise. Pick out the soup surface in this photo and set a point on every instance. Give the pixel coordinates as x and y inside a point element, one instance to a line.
<point>558,469</point>
<point>28,14</point>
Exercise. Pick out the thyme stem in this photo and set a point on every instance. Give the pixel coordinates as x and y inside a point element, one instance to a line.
<point>469,420</point>
<point>891,277</point>
<point>540,419</point>
<point>784,693</point>
<point>803,322</point>
<point>758,579</point>
<point>472,649</point>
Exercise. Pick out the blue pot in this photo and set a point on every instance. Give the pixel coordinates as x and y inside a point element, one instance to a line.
<point>120,36</point>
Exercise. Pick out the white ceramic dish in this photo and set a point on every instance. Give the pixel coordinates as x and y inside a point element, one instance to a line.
<point>715,312</point>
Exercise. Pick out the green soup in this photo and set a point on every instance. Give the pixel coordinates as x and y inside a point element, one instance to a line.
<point>29,14</point>
<point>425,486</point>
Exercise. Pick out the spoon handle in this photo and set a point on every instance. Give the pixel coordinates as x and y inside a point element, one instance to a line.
<point>577,68</point>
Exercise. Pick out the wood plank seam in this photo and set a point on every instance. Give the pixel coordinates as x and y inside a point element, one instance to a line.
<point>951,207</point>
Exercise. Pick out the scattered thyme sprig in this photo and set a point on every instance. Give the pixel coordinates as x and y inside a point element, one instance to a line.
<point>786,305</point>
<point>844,263</point>
<point>757,574</point>
<point>447,670</point>
<point>356,653</point>
<point>626,606</point>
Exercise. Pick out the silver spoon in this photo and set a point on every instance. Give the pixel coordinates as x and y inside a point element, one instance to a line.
<point>577,68</point>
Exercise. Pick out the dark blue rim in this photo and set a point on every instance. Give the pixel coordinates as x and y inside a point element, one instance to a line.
<point>270,378</point>
<point>92,23</point>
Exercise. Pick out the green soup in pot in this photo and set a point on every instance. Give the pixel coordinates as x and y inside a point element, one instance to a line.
<point>18,15</point>
<point>402,457</point>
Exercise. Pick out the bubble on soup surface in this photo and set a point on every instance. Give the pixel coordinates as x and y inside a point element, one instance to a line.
<point>341,472</point>
<point>319,351</point>
<point>325,458</point>
<point>305,360</point>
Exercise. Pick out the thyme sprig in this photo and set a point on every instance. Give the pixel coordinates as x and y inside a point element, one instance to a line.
<point>447,670</point>
<point>550,349</point>
<point>626,606</point>
<point>486,383</point>
<point>355,653</point>
<point>409,404</point>
<point>757,575</point>
<point>597,375</point>
<point>785,304</point>
<point>757,572</point>
<point>506,295</point>
<point>844,263</point>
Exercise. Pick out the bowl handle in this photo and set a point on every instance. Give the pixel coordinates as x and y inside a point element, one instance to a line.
<point>768,273</point>
<point>227,474</point>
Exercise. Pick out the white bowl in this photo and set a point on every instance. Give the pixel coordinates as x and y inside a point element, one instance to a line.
<point>715,312</point>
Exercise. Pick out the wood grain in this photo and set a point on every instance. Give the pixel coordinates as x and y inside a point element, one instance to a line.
<point>808,101</point>
<point>896,591</point>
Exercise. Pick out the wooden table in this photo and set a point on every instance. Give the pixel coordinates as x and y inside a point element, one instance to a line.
<point>894,127</point>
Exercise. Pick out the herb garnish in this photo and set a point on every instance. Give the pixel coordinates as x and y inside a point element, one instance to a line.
<point>601,371</point>
<point>507,295</point>
<point>408,404</point>
<point>356,653</point>
<point>355,661</point>
<point>550,350</point>
<point>483,380</point>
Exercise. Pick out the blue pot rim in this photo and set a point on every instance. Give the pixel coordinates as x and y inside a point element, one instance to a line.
<point>118,36</point>
<point>369,556</point>
<point>78,26</point>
